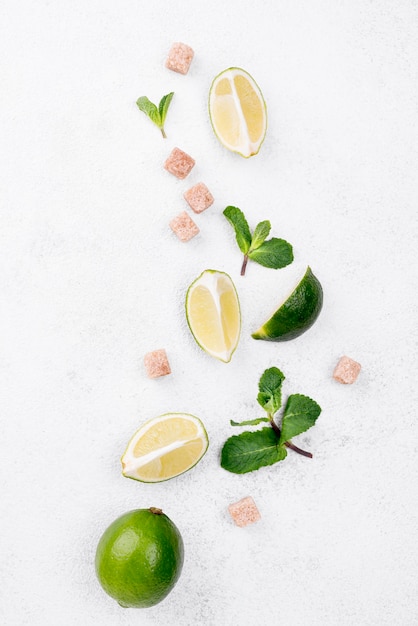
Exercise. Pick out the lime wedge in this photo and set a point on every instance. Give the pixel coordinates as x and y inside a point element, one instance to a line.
<point>237,111</point>
<point>164,447</point>
<point>296,314</point>
<point>213,314</point>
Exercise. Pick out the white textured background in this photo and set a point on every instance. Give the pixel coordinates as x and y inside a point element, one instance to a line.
<point>91,278</point>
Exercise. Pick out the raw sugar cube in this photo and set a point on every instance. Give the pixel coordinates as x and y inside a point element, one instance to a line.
<point>199,197</point>
<point>346,371</point>
<point>244,511</point>
<point>179,58</point>
<point>156,364</point>
<point>179,163</point>
<point>184,227</point>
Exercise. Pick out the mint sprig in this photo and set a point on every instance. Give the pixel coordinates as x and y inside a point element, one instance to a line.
<point>254,449</point>
<point>274,252</point>
<point>156,114</point>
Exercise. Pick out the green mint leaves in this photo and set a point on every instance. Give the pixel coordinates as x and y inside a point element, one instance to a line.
<point>254,449</point>
<point>270,390</point>
<point>274,253</point>
<point>236,218</point>
<point>299,415</point>
<point>156,114</point>
<point>255,422</point>
<point>251,450</point>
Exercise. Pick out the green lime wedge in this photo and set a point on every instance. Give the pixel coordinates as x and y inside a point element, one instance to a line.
<point>296,314</point>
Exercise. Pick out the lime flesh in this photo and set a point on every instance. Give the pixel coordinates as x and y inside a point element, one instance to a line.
<point>213,314</point>
<point>139,558</point>
<point>297,314</point>
<point>165,447</point>
<point>237,111</point>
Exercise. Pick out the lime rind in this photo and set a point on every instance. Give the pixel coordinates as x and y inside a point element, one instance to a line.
<point>260,142</point>
<point>224,357</point>
<point>297,313</point>
<point>146,425</point>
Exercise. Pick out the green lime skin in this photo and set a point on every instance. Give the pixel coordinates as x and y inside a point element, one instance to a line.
<point>296,314</point>
<point>139,558</point>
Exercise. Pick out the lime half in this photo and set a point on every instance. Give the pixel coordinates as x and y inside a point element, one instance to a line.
<point>296,314</point>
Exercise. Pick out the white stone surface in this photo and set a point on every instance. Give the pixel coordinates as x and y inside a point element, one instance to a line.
<point>91,278</point>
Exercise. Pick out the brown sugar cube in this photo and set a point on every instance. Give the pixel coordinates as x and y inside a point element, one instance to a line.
<point>346,371</point>
<point>184,227</point>
<point>179,163</point>
<point>199,197</point>
<point>244,511</point>
<point>156,364</point>
<point>179,58</point>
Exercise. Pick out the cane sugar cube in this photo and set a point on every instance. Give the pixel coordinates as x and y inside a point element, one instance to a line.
<point>199,198</point>
<point>244,511</point>
<point>179,58</point>
<point>346,371</point>
<point>179,163</point>
<point>156,364</point>
<point>184,227</point>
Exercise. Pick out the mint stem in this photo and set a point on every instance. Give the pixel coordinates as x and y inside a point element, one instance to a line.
<point>288,444</point>
<point>292,446</point>
<point>244,265</point>
<point>163,132</point>
<point>274,425</point>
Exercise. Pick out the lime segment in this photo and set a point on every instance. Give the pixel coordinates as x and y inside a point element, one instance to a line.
<point>237,111</point>
<point>164,447</point>
<point>213,314</point>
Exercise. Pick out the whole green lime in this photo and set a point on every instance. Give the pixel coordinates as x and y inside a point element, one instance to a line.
<point>139,558</point>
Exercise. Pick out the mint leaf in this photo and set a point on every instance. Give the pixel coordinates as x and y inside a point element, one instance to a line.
<point>274,253</point>
<point>262,231</point>
<point>149,108</point>
<point>300,414</point>
<point>156,115</point>
<point>250,422</point>
<point>270,390</point>
<point>251,450</point>
<point>163,107</point>
<point>242,231</point>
